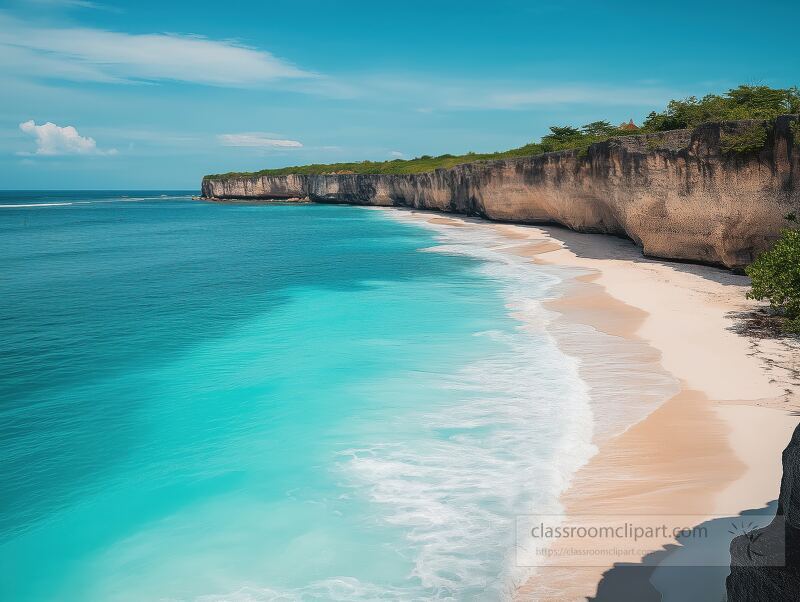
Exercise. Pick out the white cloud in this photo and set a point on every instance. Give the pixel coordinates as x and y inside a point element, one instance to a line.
<point>431,95</point>
<point>397,154</point>
<point>257,140</point>
<point>69,3</point>
<point>52,139</point>
<point>86,54</point>
<point>567,94</point>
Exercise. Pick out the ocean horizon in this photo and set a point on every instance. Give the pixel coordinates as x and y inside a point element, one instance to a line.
<point>219,402</point>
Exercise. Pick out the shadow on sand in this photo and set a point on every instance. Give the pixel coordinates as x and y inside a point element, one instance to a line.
<point>679,572</point>
<point>604,246</point>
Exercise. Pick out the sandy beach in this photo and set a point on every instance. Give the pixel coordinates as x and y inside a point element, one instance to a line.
<point>710,450</point>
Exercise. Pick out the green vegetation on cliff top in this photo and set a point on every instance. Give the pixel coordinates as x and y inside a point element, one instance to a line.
<point>744,102</point>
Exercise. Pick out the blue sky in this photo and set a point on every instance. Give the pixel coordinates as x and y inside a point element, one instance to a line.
<point>153,94</point>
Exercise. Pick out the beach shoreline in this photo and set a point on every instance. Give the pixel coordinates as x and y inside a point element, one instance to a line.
<point>695,453</point>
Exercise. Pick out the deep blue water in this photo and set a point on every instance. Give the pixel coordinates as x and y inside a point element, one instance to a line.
<point>204,401</point>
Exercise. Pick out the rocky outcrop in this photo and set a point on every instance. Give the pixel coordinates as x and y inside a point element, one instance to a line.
<point>765,563</point>
<point>676,194</point>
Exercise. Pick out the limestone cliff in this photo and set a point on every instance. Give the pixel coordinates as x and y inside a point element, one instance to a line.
<point>676,194</point>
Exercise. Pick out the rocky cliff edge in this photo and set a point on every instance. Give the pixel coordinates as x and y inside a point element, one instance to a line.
<point>683,194</point>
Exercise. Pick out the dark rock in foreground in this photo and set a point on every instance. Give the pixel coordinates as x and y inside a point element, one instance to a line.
<point>765,563</point>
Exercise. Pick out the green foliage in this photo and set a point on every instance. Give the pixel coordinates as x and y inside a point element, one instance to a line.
<point>776,276</point>
<point>655,141</point>
<point>561,134</point>
<point>744,102</point>
<point>570,138</point>
<point>598,128</point>
<point>794,127</point>
<point>748,140</point>
<point>396,166</point>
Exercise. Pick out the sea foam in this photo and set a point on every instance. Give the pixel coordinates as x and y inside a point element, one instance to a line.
<point>522,427</point>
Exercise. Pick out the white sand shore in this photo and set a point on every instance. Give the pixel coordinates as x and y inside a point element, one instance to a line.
<point>713,449</point>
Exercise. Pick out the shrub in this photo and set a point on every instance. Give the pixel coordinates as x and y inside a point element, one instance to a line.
<point>655,142</point>
<point>775,276</point>
<point>794,127</point>
<point>749,140</point>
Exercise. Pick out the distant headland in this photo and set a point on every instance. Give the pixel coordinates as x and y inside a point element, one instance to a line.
<point>707,180</point>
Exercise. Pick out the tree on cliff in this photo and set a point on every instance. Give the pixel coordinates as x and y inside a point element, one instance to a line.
<point>744,102</point>
<point>599,128</point>
<point>776,276</point>
<point>561,134</point>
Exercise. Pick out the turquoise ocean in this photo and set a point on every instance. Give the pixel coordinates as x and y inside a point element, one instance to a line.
<point>226,402</point>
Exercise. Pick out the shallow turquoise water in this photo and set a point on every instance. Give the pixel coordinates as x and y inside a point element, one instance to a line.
<point>206,402</point>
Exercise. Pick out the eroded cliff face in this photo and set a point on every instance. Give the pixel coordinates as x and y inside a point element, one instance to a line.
<point>676,194</point>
